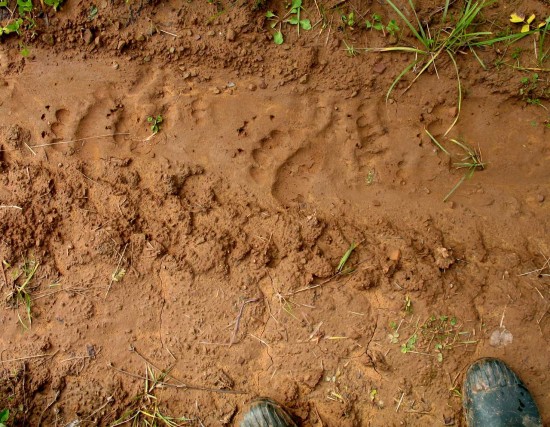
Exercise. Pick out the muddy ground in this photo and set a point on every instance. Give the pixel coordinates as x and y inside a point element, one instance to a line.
<point>203,259</point>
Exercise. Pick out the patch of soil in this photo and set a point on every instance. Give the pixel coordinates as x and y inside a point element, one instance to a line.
<point>202,260</point>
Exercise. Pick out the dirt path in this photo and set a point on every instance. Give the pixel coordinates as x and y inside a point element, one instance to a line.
<point>211,248</point>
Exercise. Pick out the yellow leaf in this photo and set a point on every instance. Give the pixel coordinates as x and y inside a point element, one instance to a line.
<point>531,18</point>
<point>525,28</point>
<point>542,24</point>
<point>516,18</point>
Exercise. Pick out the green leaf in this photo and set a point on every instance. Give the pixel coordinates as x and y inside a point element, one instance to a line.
<point>368,24</point>
<point>278,37</point>
<point>24,6</point>
<point>270,14</point>
<point>3,3</point>
<point>378,26</point>
<point>293,21</point>
<point>305,24</point>
<point>296,4</point>
<point>4,415</point>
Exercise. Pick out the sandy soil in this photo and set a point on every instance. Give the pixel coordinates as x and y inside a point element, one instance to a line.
<point>204,258</point>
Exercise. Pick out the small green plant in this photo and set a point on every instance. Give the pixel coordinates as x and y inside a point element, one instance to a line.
<point>144,410</point>
<point>4,416</point>
<point>53,3</point>
<point>375,23</point>
<point>470,160</point>
<point>21,293</point>
<point>394,334</point>
<point>410,344</point>
<point>155,123</point>
<point>24,7</point>
<point>436,335</point>
<point>348,20</point>
<point>292,17</point>
<point>443,39</point>
<point>529,90</point>
<point>350,50</point>
<point>12,27</point>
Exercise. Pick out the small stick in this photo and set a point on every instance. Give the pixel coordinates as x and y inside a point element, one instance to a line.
<point>400,401</point>
<point>30,149</point>
<point>4,274</point>
<point>109,400</point>
<point>116,270</point>
<point>167,32</point>
<point>308,288</point>
<point>182,386</point>
<point>28,357</point>
<point>80,139</point>
<point>238,321</point>
<point>11,207</point>
<point>48,407</point>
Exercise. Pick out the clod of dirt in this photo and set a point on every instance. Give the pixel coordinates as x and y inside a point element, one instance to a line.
<point>501,337</point>
<point>231,35</point>
<point>88,36</point>
<point>443,259</point>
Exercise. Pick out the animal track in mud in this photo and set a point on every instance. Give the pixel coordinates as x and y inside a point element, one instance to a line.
<point>273,150</point>
<point>295,171</point>
<point>295,175</point>
<point>198,110</point>
<point>61,118</point>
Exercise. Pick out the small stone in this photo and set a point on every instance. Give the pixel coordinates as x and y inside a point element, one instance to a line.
<point>354,94</point>
<point>140,38</point>
<point>197,37</point>
<point>230,35</point>
<point>97,41</point>
<point>115,65</point>
<point>215,90</point>
<point>263,85</point>
<point>88,36</point>
<point>231,85</point>
<point>376,202</point>
<point>453,111</point>
<point>395,255</point>
<point>172,50</point>
<point>147,58</point>
<point>211,33</point>
<point>540,198</point>
<point>252,87</point>
<point>189,33</point>
<point>121,45</point>
<point>303,79</point>
<point>379,68</point>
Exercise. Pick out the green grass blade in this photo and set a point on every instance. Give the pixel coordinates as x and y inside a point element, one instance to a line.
<point>406,21</point>
<point>400,76</point>
<point>436,142</point>
<point>450,193</point>
<point>346,257</point>
<point>459,85</point>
